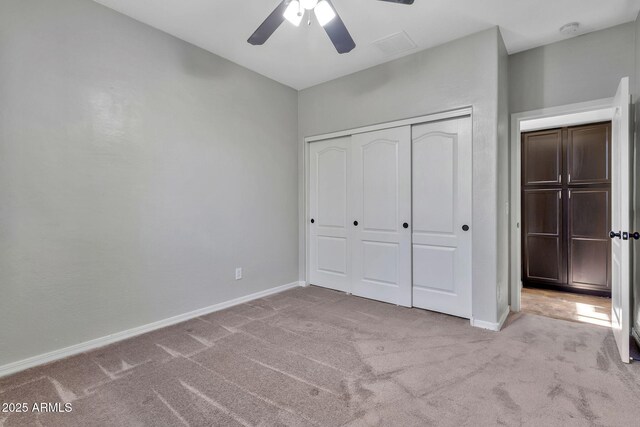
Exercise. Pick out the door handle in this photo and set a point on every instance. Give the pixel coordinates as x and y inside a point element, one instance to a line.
<point>405,225</point>
<point>633,235</point>
<point>312,220</point>
<point>465,227</point>
<point>355,223</point>
<point>614,235</point>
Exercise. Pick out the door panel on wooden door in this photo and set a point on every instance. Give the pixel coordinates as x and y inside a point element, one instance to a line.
<point>441,171</point>
<point>588,149</point>
<point>542,228</point>
<point>589,242</point>
<point>542,158</point>
<point>621,219</point>
<point>329,263</point>
<point>381,195</point>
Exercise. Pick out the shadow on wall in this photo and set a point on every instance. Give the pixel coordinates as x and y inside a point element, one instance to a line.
<point>367,86</point>
<point>530,92</point>
<point>197,63</point>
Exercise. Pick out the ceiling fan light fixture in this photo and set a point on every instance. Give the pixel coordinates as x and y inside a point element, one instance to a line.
<point>308,4</point>
<point>324,12</point>
<point>293,13</point>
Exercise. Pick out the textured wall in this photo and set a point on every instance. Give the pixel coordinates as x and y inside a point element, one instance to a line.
<point>460,73</point>
<point>137,172</point>
<point>578,69</point>
<point>503,206</point>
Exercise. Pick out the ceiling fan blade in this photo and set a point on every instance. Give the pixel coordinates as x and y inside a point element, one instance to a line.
<point>338,33</point>
<point>399,1</point>
<point>269,25</point>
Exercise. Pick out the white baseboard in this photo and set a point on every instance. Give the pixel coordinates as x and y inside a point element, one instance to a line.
<point>62,353</point>
<point>503,317</point>
<point>492,326</point>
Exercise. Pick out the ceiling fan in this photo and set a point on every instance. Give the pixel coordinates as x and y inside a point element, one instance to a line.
<point>294,10</point>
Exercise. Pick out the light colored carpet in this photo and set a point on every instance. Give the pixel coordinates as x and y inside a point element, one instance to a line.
<point>311,356</point>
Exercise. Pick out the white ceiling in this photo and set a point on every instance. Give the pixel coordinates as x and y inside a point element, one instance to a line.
<point>303,56</point>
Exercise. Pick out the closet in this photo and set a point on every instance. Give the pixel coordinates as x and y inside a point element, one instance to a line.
<point>389,215</point>
<point>566,194</point>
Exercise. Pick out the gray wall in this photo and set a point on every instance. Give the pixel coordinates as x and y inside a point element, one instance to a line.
<point>503,178</point>
<point>460,73</point>
<point>578,69</point>
<point>137,172</point>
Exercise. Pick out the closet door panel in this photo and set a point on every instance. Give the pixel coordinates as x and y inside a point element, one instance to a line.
<point>328,206</point>
<point>542,227</point>
<point>542,158</point>
<point>589,267</point>
<point>589,242</point>
<point>381,194</point>
<point>589,213</point>
<point>588,150</point>
<point>441,188</point>
<point>543,211</point>
<point>378,164</point>
<point>435,180</point>
<point>542,258</point>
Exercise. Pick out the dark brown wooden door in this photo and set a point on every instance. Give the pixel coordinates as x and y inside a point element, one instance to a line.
<point>542,158</point>
<point>589,245</point>
<point>566,208</point>
<point>543,239</point>
<point>588,150</point>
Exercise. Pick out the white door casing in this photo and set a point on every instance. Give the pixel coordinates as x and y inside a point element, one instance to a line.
<point>381,195</point>
<point>329,185</point>
<point>442,197</point>
<point>621,220</point>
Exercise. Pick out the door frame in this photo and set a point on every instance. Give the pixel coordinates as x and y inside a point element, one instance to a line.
<point>547,118</point>
<point>443,115</point>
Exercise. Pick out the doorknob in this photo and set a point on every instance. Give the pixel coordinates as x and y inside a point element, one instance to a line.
<point>631,235</point>
<point>465,227</point>
<point>312,220</point>
<point>405,225</point>
<point>355,223</point>
<point>613,235</point>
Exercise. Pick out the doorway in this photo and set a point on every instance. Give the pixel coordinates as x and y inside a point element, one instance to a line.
<point>566,197</point>
<point>617,111</point>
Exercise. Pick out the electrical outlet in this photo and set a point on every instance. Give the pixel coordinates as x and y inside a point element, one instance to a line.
<point>238,273</point>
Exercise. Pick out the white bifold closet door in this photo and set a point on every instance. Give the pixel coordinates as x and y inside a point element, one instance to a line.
<point>329,184</point>
<point>441,193</point>
<point>381,215</point>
